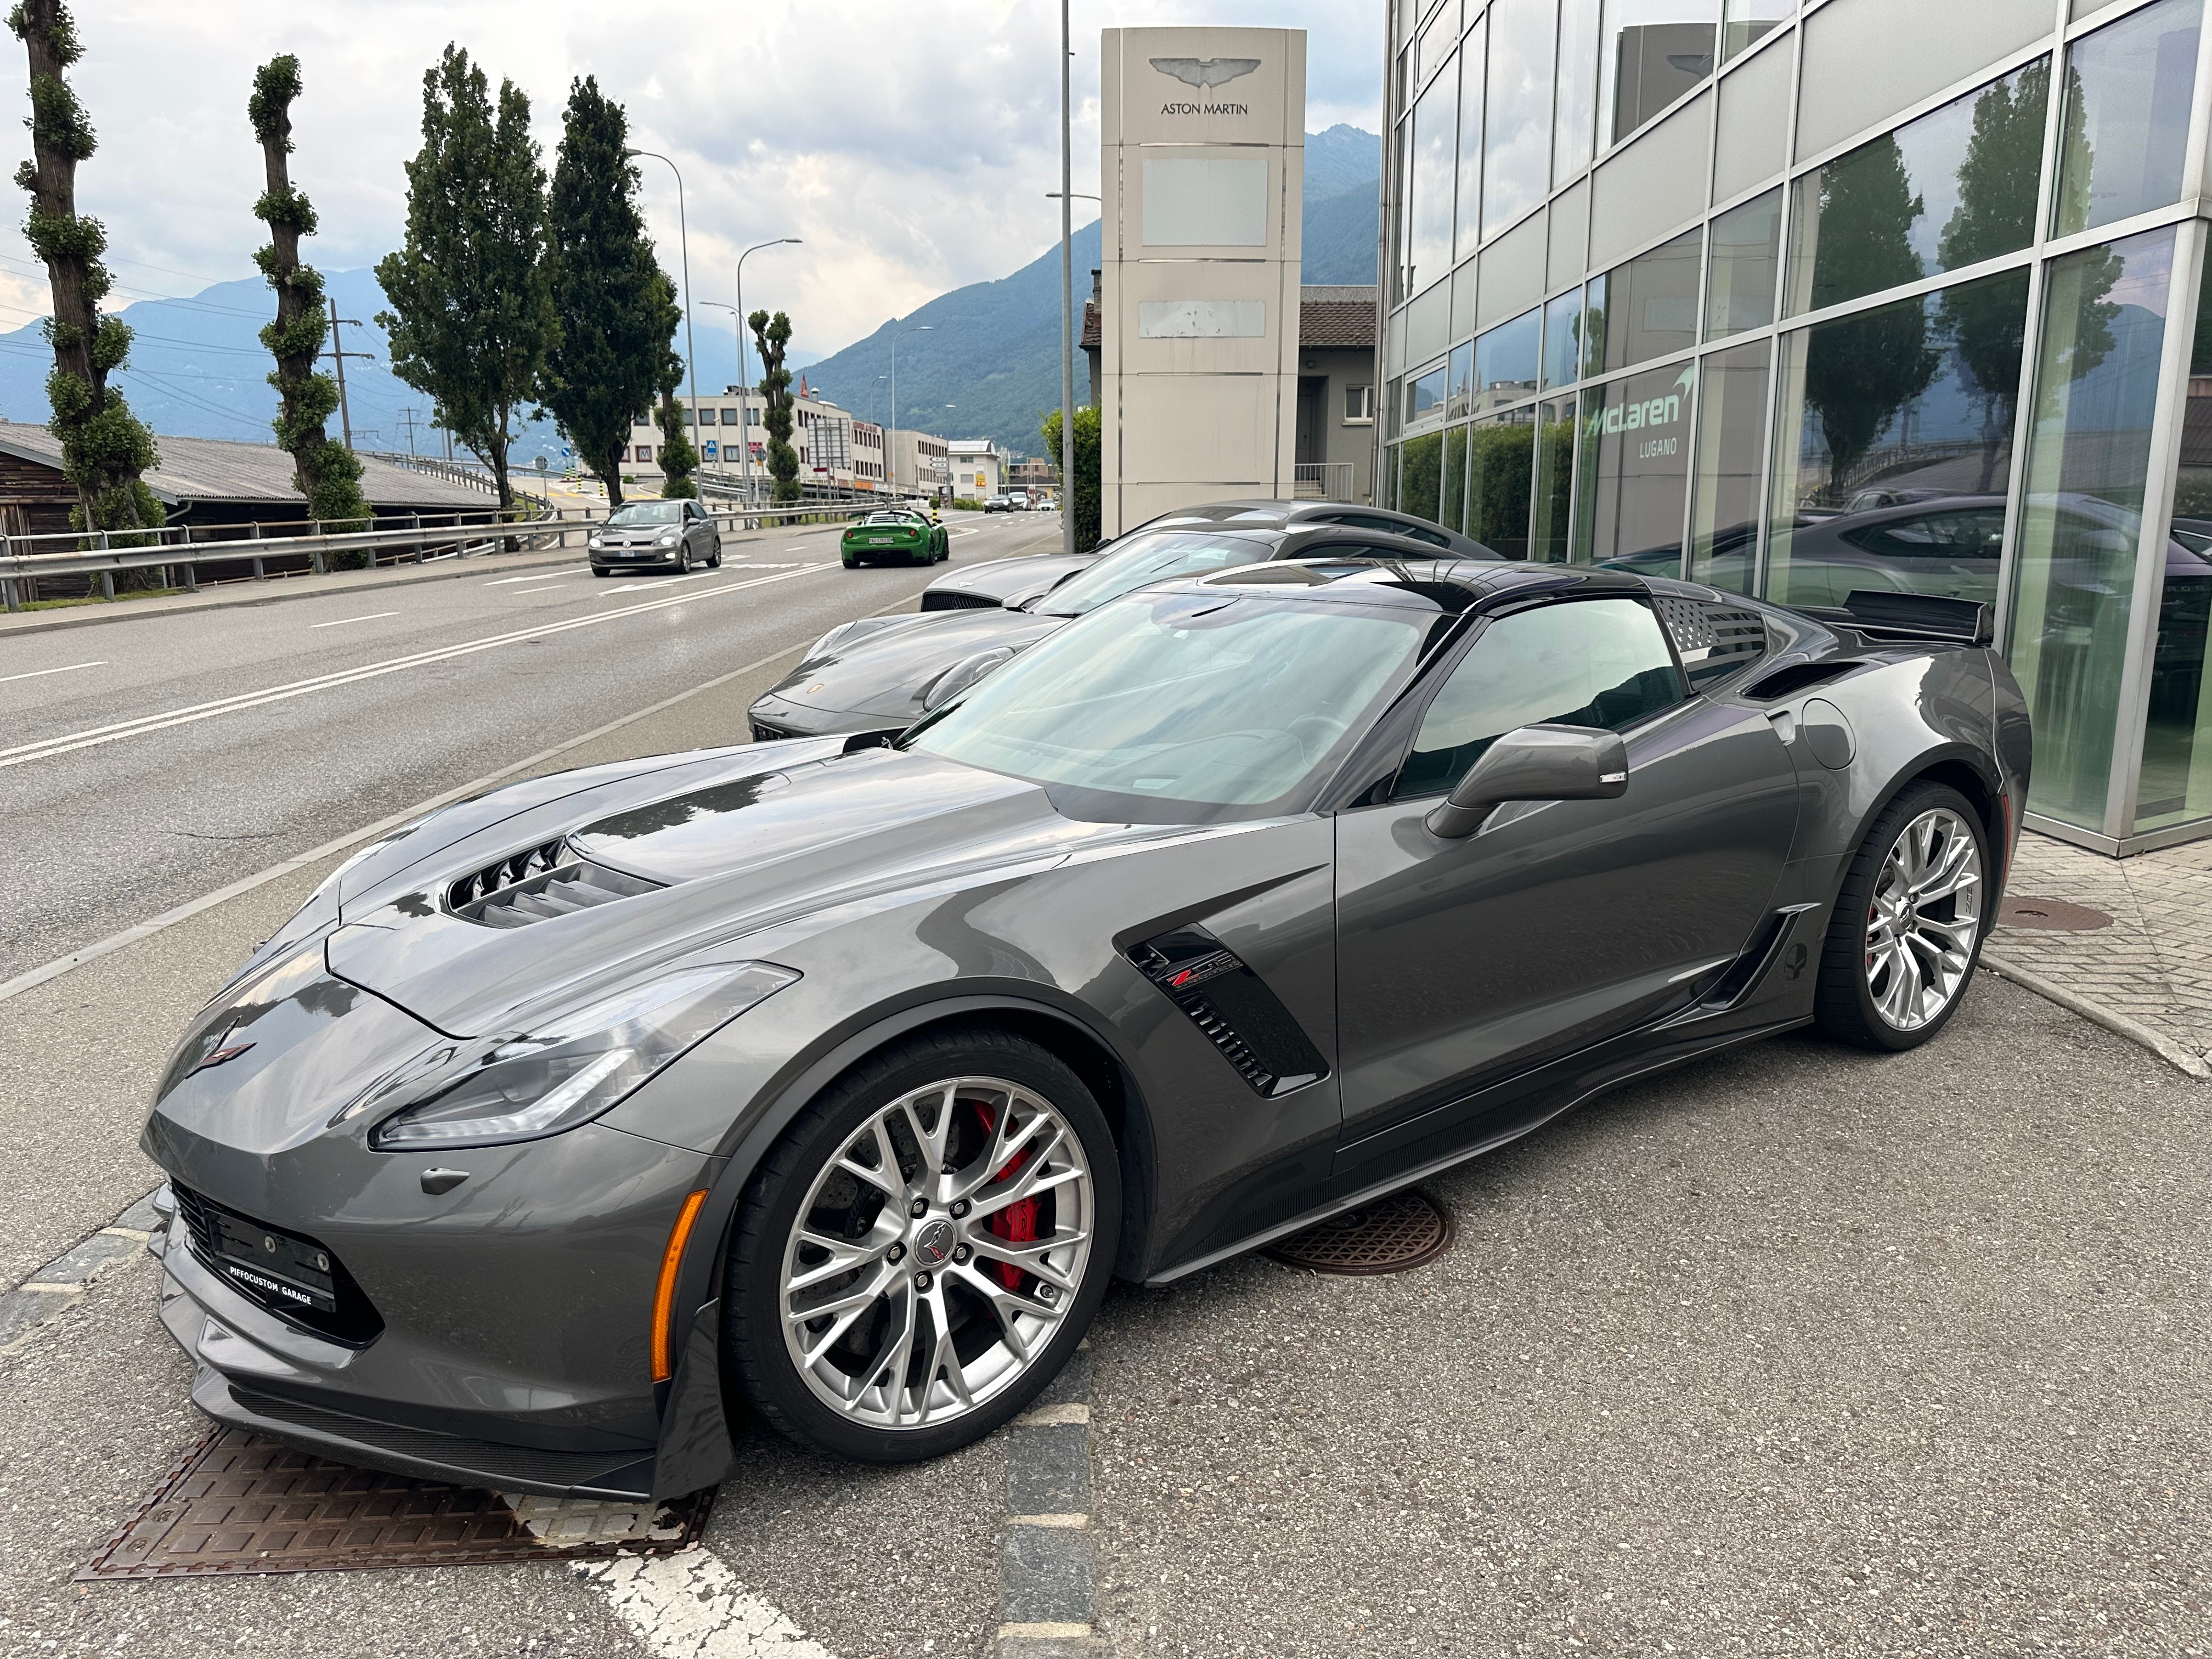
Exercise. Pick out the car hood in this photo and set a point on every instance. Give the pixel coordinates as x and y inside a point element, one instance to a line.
<point>789,831</point>
<point>1009,582</point>
<point>883,673</point>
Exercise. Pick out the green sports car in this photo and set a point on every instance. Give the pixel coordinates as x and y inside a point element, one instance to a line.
<point>896,533</point>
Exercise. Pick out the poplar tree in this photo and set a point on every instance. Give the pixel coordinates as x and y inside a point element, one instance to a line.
<point>471,316</point>
<point>773,337</point>
<point>601,375</point>
<point>325,471</point>
<point>105,447</point>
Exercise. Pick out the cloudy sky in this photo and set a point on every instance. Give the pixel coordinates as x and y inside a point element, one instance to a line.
<point>911,145</point>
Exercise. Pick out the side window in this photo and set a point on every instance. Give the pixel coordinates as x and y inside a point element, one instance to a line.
<point>1586,662</point>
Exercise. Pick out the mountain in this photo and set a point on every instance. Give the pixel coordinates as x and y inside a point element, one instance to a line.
<point>1339,159</point>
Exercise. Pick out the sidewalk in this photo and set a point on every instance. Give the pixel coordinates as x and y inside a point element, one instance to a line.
<point>2133,936</point>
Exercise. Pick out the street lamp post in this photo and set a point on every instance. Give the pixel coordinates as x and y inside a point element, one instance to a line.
<point>919,328</point>
<point>744,395</point>
<point>1067,304</point>
<point>684,244</point>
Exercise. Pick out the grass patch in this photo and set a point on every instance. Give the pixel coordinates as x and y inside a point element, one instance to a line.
<point>94,599</point>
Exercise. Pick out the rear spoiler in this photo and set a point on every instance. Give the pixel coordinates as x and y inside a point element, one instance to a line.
<point>1909,616</point>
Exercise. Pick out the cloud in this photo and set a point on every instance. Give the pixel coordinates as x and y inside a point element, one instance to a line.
<point>910,147</point>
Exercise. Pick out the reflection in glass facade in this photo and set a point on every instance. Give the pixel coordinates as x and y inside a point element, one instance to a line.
<point>2126,124</point>
<point>1953,188</point>
<point>1889,369</point>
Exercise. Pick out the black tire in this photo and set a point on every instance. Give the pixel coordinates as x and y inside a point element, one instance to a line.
<point>714,559</point>
<point>1844,1009</point>
<point>601,570</point>
<point>754,1355</point>
<point>852,564</point>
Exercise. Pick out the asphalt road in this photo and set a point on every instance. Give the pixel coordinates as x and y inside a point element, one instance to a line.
<point>1794,1351</point>
<point>386,697</point>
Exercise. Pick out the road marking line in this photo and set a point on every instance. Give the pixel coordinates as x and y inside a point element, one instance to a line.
<point>374,616</point>
<point>1044,1631</point>
<point>504,581</point>
<point>70,742</point>
<point>692,1605</point>
<point>35,672</point>
<point>1046,1417</point>
<point>1070,1521</point>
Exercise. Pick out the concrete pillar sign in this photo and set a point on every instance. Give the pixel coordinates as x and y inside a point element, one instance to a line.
<point>1201,165</point>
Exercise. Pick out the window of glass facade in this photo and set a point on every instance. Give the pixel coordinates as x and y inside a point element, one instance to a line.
<point>2176,783</point>
<point>1429,211</point>
<point>1516,145</point>
<point>1747,257</point>
<point>1439,35</point>
<point>1954,187</point>
<point>2126,125</point>
<point>1562,339</point>
<point>1451,511</point>
<point>2081,520</point>
<point>1649,307</point>
<point>1555,481</point>
<point>1744,23</point>
<point>1731,446</point>
<point>1502,467</point>
<point>1650,52</point>
<point>1574,97</point>
<point>1635,471</point>
<point>1425,397</point>
<point>1893,451</point>
<point>1505,362</point>
<point>1420,477</point>
<point>1470,141</point>
<point>1459,394</point>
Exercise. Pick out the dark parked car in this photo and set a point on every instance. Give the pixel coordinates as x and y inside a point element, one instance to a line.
<point>883,673</point>
<point>678,533</point>
<point>833,1083</point>
<point>1009,582</point>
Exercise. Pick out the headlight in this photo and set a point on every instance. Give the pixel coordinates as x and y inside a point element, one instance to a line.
<point>598,540</point>
<point>670,537</point>
<point>568,1069</point>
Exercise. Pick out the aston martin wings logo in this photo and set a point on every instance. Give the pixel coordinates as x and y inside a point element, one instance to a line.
<point>1204,72</point>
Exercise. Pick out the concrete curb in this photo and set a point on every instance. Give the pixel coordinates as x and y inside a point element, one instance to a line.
<point>53,1289</point>
<point>2113,1021</point>
<point>1047,1572</point>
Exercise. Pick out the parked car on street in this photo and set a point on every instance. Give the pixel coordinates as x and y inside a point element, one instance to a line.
<point>679,533</point>
<point>883,673</point>
<point>899,533</point>
<point>831,1084</point>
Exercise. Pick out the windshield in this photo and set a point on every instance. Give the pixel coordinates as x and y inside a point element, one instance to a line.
<point>637,513</point>
<point>1140,561</point>
<point>1182,707</point>
<point>891,518</point>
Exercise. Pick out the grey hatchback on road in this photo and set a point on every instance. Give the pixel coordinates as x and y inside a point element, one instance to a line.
<point>679,533</point>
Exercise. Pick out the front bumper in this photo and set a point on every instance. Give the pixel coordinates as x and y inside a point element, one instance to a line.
<point>513,1352</point>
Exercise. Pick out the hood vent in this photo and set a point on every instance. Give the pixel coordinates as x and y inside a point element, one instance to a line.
<point>538,884</point>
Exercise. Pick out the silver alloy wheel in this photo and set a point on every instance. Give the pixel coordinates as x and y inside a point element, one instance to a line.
<point>1923,918</point>
<point>936,1253</point>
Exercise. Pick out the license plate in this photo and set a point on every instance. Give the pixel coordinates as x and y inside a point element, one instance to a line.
<point>879,541</point>
<point>276,1264</point>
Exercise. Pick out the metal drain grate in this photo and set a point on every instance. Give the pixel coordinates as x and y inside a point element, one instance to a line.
<point>237,1503</point>
<point>2050,915</point>
<point>1387,1236</point>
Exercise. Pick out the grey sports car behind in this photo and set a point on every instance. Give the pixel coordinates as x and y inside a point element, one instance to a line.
<point>882,673</point>
<point>833,1081</point>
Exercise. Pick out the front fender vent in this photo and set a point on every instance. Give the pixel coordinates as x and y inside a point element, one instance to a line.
<point>951,598</point>
<point>538,883</point>
<point>1233,1008</point>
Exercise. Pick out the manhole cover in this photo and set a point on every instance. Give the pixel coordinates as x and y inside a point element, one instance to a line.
<point>2055,915</point>
<point>1387,1236</point>
<point>237,1504</point>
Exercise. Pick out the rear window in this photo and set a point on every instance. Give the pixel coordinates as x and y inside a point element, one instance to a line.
<point>1141,560</point>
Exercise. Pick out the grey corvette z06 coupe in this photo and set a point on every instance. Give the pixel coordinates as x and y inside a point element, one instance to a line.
<point>831,1080</point>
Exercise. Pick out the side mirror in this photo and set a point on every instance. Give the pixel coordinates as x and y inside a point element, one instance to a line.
<point>1536,763</point>
<point>963,674</point>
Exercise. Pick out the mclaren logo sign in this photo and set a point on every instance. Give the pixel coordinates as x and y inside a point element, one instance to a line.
<point>1205,73</point>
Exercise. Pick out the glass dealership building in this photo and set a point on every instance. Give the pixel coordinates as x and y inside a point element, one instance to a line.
<point>1858,294</point>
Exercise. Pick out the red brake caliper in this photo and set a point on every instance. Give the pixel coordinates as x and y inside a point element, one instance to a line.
<point>1017,1223</point>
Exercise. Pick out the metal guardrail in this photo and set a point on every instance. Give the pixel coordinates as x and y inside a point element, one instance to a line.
<point>437,536</point>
